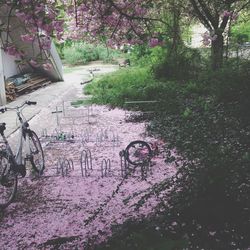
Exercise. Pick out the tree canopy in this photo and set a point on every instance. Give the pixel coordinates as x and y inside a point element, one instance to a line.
<point>115,22</point>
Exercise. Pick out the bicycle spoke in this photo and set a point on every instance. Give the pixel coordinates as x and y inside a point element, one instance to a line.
<point>138,152</point>
<point>36,153</point>
<point>8,181</point>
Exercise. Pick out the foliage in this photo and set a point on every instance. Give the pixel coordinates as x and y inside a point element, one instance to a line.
<point>142,235</point>
<point>81,53</point>
<point>211,136</point>
<point>184,65</point>
<point>115,88</point>
<point>206,128</point>
<point>111,22</point>
<point>241,30</point>
<point>142,55</point>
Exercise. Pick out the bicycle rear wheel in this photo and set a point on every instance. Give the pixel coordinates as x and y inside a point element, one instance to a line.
<point>36,153</point>
<point>8,181</point>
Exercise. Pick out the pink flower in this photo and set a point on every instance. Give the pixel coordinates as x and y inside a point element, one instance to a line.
<point>47,66</point>
<point>227,13</point>
<point>33,63</point>
<point>11,50</point>
<point>154,42</point>
<point>27,38</point>
<point>235,16</point>
<point>20,15</point>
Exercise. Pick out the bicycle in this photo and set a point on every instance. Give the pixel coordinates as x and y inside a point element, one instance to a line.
<point>12,165</point>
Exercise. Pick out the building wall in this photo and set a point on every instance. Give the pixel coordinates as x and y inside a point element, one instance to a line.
<point>9,65</point>
<point>2,85</point>
<point>197,31</point>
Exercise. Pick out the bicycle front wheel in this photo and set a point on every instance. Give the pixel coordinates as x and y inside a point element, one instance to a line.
<point>8,181</point>
<point>36,153</point>
<point>138,152</point>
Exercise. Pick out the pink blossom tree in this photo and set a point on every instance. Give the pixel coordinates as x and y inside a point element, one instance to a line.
<point>41,20</point>
<point>116,22</point>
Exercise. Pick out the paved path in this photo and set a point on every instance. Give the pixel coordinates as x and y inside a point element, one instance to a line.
<point>48,97</point>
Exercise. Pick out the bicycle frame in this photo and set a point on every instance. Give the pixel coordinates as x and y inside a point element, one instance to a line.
<point>24,130</point>
<point>18,159</point>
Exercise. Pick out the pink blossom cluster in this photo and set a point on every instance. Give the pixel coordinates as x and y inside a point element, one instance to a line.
<point>231,14</point>
<point>153,42</point>
<point>207,38</point>
<point>121,23</point>
<point>41,20</point>
<point>13,51</point>
<point>116,22</point>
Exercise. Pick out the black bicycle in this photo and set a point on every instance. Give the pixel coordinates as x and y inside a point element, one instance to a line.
<point>12,165</point>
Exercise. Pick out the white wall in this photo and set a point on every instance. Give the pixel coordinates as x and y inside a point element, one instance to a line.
<point>56,61</point>
<point>197,31</point>
<point>2,85</point>
<point>9,65</point>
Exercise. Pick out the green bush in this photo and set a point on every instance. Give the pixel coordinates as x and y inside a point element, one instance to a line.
<point>82,53</point>
<point>185,65</point>
<point>213,180</point>
<point>241,30</point>
<point>230,84</point>
<point>143,235</point>
<point>143,56</point>
<point>115,88</point>
<point>207,129</point>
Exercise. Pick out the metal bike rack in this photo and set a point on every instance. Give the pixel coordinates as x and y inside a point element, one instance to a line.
<point>64,166</point>
<point>107,138</point>
<point>106,168</point>
<point>127,168</point>
<point>124,163</point>
<point>58,136</point>
<point>77,114</point>
<point>86,163</point>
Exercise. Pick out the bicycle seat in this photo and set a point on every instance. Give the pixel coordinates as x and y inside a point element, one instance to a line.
<point>2,127</point>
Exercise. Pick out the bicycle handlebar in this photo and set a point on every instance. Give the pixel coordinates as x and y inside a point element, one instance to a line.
<point>30,103</point>
<point>3,110</point>
<point>18,107</point>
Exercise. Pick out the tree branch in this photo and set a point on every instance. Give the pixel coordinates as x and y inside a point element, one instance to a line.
<point>224,23</point>
<point>199,14</point>
<point>208,14</point>
<point>244,6</point>
<point>131,17</point>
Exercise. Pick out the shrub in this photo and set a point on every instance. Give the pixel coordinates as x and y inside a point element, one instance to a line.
<point>82,53</point>
<point>115,88</point>
<point>146,57</point>
<point>210,194</point>
<point>183,66</point>
<point>142,235</point>
<point>207,126</point>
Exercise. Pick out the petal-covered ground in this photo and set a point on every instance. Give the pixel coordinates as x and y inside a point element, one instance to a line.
<point>60,212</point>
<point>52,211</point>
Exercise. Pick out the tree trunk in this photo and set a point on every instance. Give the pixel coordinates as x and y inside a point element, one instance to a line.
<point>176,30</point>
<point>217,51</point>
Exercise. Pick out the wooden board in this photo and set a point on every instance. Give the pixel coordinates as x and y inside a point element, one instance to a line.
<point>35,81</point>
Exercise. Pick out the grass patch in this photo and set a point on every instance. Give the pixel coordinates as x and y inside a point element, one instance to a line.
<point>116,88</point>
<point>79,103</point>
